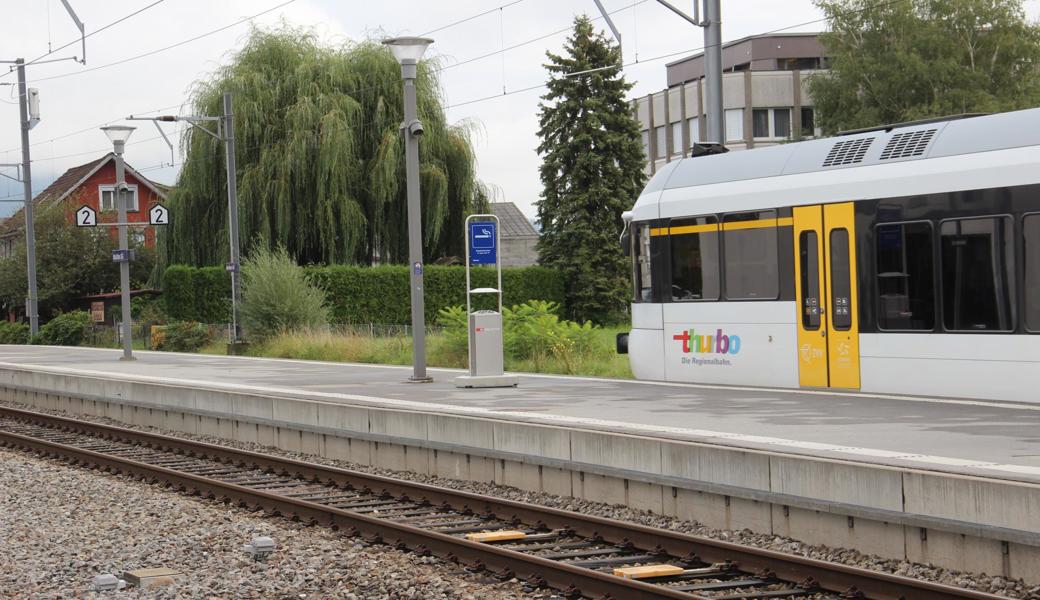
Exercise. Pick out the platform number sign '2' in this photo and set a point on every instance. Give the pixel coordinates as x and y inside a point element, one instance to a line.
<point>86,217</point>
<point>482,243</point>
<point>159,215</point>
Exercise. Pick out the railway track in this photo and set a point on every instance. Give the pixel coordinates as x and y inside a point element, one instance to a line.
<point>580,555</point>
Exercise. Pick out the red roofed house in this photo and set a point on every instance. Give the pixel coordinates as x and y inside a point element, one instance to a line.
<point>91,184</point>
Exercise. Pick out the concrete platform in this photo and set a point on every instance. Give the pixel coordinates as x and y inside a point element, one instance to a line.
<point>951,482</point>
<point>992,439</point>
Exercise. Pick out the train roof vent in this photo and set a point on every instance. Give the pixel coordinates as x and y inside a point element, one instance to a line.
<point>847,152</point>
<point>907,144</point>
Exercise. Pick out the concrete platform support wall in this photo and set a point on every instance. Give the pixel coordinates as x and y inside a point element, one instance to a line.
<point>949,520</point>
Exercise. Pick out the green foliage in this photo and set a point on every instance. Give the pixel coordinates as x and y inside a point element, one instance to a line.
<point>277,297</point>
<point>532,331</point>
<point>14,333</point>
<point>320,159</point>
<point>178,287</point>
<point>592,171</point>
<point>899,61</point>
<point>71,262</point>
<point>184,336</point>
<point>67,329</point>
<point>197,294</point>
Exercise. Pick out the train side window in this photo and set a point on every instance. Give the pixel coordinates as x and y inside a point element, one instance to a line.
<point>694,244</point>
<point>809,255</point>
<point>977,274</point>
<point>905,276</point>
<point>841,280</point>
<point>751,268</point>
<point>1031,234</point>
<point>641,280</point>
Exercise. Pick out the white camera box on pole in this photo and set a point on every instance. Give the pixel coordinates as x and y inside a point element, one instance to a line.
<point>486,364</point>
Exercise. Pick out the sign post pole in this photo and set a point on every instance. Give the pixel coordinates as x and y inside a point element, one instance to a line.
<point>486,360</point>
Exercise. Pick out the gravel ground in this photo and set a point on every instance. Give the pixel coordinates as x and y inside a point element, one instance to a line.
<point>981,582</point>
<point>60,526</point>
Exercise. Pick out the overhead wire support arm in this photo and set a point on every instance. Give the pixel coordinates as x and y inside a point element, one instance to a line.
<point>610,23</point>
<point>82,30</point>
<point>694,20</point>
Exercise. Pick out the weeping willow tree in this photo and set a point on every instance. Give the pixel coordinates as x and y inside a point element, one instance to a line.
<point>320,158</point>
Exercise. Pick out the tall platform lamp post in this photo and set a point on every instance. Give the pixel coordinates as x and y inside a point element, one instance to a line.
<point>408,51</point>
<point>118,134</point>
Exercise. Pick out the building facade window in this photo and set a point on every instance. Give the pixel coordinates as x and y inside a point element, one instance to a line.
<point>808,122</point>
<point>694,245</point>
<point>694,126</point>
<point>782,123</point>
<point>735,124</point>
<point>677,143</point>
<point>760,123</point>
<point>661,137</point>
<point>978,274</point>
<point>646,143</point>
<point>108,200</point>
<point>771,123</point>
<point>905,276</point>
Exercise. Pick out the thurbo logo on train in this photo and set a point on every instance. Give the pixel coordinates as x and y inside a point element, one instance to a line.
<point>720,343</point>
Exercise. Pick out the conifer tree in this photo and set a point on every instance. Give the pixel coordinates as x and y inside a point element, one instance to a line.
<point>592,170</point>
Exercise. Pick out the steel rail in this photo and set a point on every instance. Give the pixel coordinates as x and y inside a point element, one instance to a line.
<point>823,575</point>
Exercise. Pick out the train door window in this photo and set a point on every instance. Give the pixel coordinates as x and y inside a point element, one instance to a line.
<point>1031,234</point>
<point>694,245</point>
<point>809,255</point>
<point>750,245</point>
<point>641,263</point>
<point>905,276</point>
<point>841,280</point>
<point>977,274</point>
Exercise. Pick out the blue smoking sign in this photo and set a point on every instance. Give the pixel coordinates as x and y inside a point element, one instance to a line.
<point>483,248</point>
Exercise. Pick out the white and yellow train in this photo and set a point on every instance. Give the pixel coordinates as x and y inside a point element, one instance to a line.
<point>903,260</point>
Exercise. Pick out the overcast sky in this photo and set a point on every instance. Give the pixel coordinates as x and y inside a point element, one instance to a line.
<point>75,97</point>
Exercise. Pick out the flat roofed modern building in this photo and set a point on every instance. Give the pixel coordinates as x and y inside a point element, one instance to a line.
<point>764,94</point>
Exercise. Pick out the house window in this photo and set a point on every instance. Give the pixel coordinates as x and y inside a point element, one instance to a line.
<point>808,122</point>
<point>661,137</point>
<point>646,143</point>
<point>771,123</point>
<point>677,145</point>
<point>108,200</point>
<point>735,124</point>
<point>695,130</point>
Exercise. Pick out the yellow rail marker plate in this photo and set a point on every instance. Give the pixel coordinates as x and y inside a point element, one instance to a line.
<point>496,536</point>
<point>646,571</point>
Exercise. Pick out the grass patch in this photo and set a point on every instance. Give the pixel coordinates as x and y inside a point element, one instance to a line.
<point>331,346</point>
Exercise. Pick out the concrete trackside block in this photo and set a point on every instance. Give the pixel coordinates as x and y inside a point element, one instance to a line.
<point>556,481</point>
<point>116,390</point>
<point>336,448</point>
<point>410,425</point>
<point>534,440</point>
<point>450,465</point>
<point>417,460</point>
<point>837,482</point>
<point>956,551</point>
<point>998,503</point>
<point>296,412</point>
<point>718,511</point>
<point>257,407</point>
<point>289,439</point>
<point>90,386</point>
<point>617,451</point>
<point>645,496</point>
<point>519,475</point>
<point>215,402</point>
<point>178,421</point>
<point>1024,561</point>
<point>472,433</point>
<point>175,396</point>
<point>481,468</point>
<point>342,417</point>
<point>310,442</point>
<point>388,456</point>
<point>266,435</point>
<point>246,432</point>
<point>599,488</point>
<point>361,452</point>
<point>815,527</point>
<point>715,465</point>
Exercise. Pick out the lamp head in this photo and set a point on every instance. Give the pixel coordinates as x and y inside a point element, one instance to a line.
<point>407,50</point>
<point>118,134</point>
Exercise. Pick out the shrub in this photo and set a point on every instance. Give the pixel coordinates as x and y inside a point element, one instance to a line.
<point>13,333</point>
<point>178,285</point>
<point>67,329</point>
<point>184,336</point>
<point>277,297</point>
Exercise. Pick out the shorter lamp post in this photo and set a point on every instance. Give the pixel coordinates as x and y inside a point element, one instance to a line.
<point>408,51</point>
<point>118,134</point>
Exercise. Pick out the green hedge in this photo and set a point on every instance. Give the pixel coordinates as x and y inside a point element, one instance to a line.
<point>360,295</point>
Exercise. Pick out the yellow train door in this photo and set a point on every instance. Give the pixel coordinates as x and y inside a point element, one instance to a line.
<point>826,295</point>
